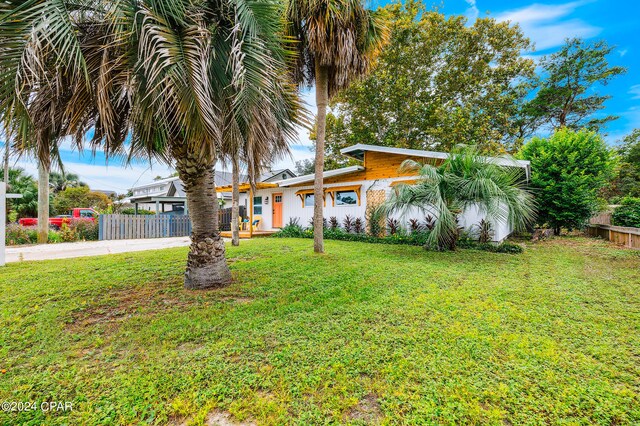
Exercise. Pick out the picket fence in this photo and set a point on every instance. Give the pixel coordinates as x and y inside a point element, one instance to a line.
<point>125,227</point>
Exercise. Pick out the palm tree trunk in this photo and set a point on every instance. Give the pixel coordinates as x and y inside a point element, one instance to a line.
<point>322,100</point>
<point>43,202</point>
<point>206,263</point>
<point>6,164</point>
<point>235,201</point>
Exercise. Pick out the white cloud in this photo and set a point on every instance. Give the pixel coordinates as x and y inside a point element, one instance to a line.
<point>634,91</point>
<point>549,25</point>
<point>623,52</point>
<point>472,11</point>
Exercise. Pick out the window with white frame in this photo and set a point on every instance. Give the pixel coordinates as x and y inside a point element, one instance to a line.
<point>308,200</point>
<point>346,198</point>
<point>257,205</point>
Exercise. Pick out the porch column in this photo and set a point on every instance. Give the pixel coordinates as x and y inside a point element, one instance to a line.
<point>136,208</point>
<point>157,207</point>
<point>250,213</point>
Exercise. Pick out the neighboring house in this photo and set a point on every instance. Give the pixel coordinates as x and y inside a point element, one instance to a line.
<point>354,190</point>
<point>168,196</point>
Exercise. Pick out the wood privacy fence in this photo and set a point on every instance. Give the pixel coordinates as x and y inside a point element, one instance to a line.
<point>628,237</point>
<point>125,227</point>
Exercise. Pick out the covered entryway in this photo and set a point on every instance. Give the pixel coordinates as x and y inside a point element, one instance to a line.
<point>277,210</point>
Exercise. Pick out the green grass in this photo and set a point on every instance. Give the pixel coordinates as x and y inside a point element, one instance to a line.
<point>365,333</point>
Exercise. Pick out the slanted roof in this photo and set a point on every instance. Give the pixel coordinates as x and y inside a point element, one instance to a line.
<point>357,151</point>
<point>327,174</point>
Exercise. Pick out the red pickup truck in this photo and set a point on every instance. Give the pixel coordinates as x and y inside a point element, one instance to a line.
<point>56,222</point>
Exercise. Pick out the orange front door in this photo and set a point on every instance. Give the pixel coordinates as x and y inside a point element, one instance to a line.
<point>277,210</point>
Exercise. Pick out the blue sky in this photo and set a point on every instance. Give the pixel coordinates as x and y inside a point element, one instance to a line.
<point>547,23</point>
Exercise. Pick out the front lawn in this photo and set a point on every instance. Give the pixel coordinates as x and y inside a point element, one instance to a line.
<point>364,334</point>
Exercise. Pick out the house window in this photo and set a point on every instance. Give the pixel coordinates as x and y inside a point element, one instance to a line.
<point>346,198</point>
<point>257,205</point>
<point>308,200</point>
<point>284,176</point>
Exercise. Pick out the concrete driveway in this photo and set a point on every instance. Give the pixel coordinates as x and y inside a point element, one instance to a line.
<point>90,248</point>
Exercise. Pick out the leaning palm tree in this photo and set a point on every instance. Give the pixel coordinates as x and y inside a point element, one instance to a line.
<point>161,72</point>
<point>464,180</point>
<point>337,41</point>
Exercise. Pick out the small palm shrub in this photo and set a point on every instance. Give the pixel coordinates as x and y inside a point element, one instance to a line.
<point>358,226</point>
<point>414,225</point>
<point>429,222</point>
<point>333,223</point>
<point>393,225</point>
<point>347,224</point>
<point>485,231</point>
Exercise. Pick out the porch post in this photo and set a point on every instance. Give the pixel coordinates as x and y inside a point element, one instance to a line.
<point>250,213</point>
<point>157,207</point>
<point>136,211</point>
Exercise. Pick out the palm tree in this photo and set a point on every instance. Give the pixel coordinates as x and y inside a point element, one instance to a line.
<point>61,181</point>
<point>337,41</point>
<point>165,72</point>
<point>465,179</point>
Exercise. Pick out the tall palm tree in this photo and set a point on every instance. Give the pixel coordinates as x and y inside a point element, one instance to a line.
<point>165,72</point>
<point>465,179</point>
<point>337,41</point>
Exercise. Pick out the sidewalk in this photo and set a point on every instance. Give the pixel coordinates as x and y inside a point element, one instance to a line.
<point>90,248</point>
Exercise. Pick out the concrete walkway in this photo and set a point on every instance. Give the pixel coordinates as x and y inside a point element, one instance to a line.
<point>90,248</point>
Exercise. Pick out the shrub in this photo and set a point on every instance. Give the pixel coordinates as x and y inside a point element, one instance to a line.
<point>333,223</point>
<point>16,235</point>
<point>414,225</point>
<point>131,210</point>
<point>429,222</point>
<point>393,225</point>
<point>358,226</point>
<point>347,223</point>
<point>85,230</point>
<point>628,213</point>
<point>485,231</point>
<point>500,248</point>
<point>67,234</point>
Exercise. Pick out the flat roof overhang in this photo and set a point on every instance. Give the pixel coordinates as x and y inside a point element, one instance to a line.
<point>244,187</point>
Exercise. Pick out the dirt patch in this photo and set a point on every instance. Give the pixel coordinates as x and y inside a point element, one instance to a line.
<point>220,418</point>
<point>367,410</point>
<point>152,299</point>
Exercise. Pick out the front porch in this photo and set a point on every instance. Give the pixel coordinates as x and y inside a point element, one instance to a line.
<point>245,235</point>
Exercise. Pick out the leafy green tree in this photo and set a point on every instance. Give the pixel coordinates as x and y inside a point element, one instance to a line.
<point>567,95</point>
<point>627,181</point>
<point>567,171</point>
<point>466,179</point>
<point>305,167</point>
<point>438,83</point>
<point>336,41</point>
<point>79,196</point>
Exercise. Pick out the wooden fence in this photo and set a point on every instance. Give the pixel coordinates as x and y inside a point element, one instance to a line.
<point>628,237</point>
<point>125,227</point>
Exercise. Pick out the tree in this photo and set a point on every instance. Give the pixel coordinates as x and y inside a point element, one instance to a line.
<point>627,180</point>
<point>438,83</point>
<point>163,73</point>
<point>465,179</point>
<point>567,96</point>
<point>337,41</point>
<point>60,181</point>
<point>568,170</point>
<point>25,185</point>
<point>305,167</point>
<point>79,196</point>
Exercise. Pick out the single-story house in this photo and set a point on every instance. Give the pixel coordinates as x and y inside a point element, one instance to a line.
<point>351,190</point>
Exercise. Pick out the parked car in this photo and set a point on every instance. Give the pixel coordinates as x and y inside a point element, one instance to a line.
<point>56,222</point>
